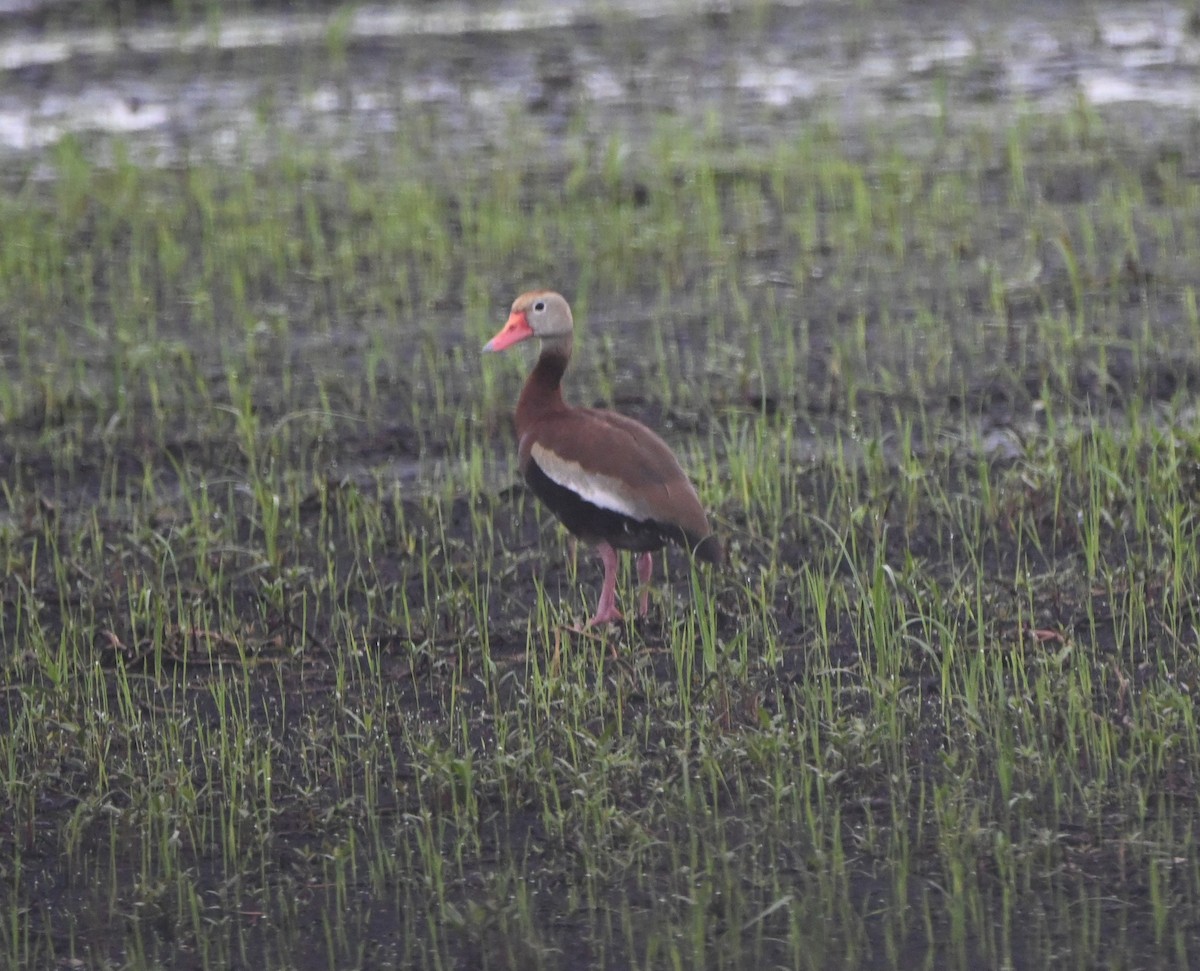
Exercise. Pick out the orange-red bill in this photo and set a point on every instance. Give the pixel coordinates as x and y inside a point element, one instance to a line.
<point>514,331</point>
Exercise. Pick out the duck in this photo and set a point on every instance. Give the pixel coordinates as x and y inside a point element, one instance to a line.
<point>611,481</point>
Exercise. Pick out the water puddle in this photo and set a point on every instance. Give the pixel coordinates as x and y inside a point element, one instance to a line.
<point>228,89</point>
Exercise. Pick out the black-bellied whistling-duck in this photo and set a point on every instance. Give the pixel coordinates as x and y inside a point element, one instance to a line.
<point>610,479</point>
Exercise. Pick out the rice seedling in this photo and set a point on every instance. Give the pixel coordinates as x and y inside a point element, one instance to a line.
<point>290,668</point>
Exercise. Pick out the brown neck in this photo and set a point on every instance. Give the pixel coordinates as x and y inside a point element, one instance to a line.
<point>542,393</point>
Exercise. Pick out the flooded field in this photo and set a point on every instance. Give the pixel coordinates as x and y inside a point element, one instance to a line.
<point>226,87</point>
<point>290,670</point>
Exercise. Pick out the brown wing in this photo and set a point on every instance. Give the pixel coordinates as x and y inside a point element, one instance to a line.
<point>617,463</point>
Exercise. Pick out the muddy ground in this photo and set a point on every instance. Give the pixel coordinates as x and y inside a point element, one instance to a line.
<point>756,79</point>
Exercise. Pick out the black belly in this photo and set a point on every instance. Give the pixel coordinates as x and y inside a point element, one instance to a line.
<point>594,524</point>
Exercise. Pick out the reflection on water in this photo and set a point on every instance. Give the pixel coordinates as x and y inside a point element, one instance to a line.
<point>222,88</point>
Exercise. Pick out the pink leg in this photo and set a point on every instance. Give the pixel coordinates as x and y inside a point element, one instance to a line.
<point>606,610</point>
<point>645,569</point>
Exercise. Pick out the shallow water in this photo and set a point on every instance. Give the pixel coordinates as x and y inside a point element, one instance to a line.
<point>227,90</point>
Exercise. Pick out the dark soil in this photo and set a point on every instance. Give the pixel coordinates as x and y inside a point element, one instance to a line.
<point>285,622</point>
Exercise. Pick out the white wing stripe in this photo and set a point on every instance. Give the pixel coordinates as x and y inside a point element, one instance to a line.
<point>600,490</point>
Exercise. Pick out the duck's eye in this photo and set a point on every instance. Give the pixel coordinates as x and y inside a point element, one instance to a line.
<point>539,306</point>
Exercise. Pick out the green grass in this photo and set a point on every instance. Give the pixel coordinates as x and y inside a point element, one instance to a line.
<point>289,678</point>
